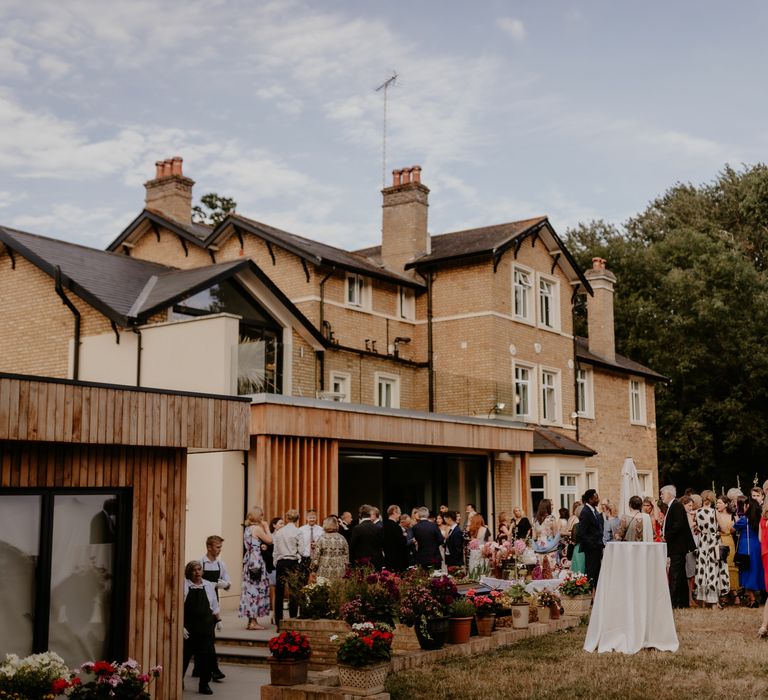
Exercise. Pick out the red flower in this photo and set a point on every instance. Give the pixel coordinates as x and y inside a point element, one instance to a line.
<point>59,686</point>
<point>103,668</point>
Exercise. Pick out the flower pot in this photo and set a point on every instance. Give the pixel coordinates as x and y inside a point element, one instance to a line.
<point>520,616</point>
<point>363,680</point>
<point>543,614</point>
<point>459,629</point>
<point>577,604</point>
<point>554,611</point>
<point>288,672</point>
<point>485,625</point>
<point>433,633</point>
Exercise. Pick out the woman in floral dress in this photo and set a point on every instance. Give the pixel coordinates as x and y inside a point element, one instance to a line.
<point>711,574</point>
<point>254,599</point>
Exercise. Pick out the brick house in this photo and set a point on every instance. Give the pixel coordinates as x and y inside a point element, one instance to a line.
<point>430,369</point>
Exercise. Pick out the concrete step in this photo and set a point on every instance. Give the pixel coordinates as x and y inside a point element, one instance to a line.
<point>242,655</point>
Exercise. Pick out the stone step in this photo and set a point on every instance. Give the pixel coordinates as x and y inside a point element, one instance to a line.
<point>242,655</point>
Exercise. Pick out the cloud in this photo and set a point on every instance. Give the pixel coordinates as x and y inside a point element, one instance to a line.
<point>6,198</point>
<point>91,225</point>
<point>54,67</point>
<point>11,66</point>
<point>512,26</point>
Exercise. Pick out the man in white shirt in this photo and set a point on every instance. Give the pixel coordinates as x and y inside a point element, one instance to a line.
<point>310,533</point>
<point>287,543</point>
<point>215,572</point>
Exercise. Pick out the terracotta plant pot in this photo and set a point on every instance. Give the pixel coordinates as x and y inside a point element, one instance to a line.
<point>554,611</point>
<point>363,680</point>
<point>543,614</point>
<point>288,672</point>
<point>459,629</point>
<point>485,625</point>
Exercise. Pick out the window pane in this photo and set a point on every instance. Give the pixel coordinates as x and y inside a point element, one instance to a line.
<point>19,550</point>
<point>522,396</point>
<point>82,567</point>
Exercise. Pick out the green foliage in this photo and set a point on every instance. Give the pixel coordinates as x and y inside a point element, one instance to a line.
<point>214,209</point>
<point>461,607</point>
<point>691,303</point>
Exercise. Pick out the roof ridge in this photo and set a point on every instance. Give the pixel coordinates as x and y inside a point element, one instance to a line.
<point>491,226</point>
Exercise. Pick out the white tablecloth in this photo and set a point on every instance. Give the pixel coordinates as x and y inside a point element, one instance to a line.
<point>632,609</point>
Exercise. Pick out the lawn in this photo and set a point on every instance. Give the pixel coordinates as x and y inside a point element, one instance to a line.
<point>720,657</point>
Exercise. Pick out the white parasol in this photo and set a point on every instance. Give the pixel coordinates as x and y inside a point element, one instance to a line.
<point>630,485</point>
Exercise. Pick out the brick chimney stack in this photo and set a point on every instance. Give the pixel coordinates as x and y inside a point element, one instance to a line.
<point>602,341</point>
<point>404,234</point>
<point>170,193</point>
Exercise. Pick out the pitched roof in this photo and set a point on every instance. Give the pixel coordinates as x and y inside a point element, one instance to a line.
<point>546,441</point>
<point>621,363</point>
<point>149,219</point>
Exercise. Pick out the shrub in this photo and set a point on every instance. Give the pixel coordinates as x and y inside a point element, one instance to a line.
<point>290,646</point>
<point>367,644</point>
<point>461,607</point>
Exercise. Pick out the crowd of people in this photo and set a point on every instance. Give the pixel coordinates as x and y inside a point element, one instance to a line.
<point>717,548</point>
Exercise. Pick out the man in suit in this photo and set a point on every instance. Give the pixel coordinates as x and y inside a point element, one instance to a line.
<point>395,541</point>
<point>679,538</point>
<point>591,536</point>
<point>366,543</point>
<point>454,543</point>
<point>345,525</point>
<point>428,540</point>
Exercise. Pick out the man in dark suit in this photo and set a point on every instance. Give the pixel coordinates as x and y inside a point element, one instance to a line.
<point>454,543</point>
<point>591,536</point>
<point>395,542</point>
<point>679,538</point>
<point>428,540</point>
<point>366,545</point>
<point>345,525</point>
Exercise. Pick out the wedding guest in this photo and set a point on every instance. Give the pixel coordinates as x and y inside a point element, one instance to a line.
<point>440,522</point>
<point>564,515</point>
<point>569,532</point>
<point>521,526</point>
<point>214,571</point>
<point>635,526</point>
<point>758,495</point>
<point>591,536</point>
<point>406,527</point>
<point>763,631</point>
<point>454,542</point>
<point>679,538</point>
<point>725,523</point>
<point>469,511</point>
<point>310,533</point>
<point>376,517</point>
<point>711,572</point>
<point>201,616</point>
<point>751,577</point>
<point>428,540</point>
<point>546,533</point>
<point>733,497</point>
<point>479,534</point>
<point>690,557</point>
<point>330,555</point>
<point>652,510</point>
<point>267,551</point>
<point>345,525</point>
<point>395,541</point>
<point>367,542</point>
<point>503,531</point>
<point>611,522</point>
<point>578,562</point>
<point>254,595</point>
<point>287,556</point>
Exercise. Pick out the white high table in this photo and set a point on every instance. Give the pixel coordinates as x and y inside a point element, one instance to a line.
<point>632,609</point>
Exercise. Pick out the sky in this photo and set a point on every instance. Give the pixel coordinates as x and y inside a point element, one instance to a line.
<point>578,111</point>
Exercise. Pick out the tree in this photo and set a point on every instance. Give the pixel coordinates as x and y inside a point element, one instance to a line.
<point>217,208</point>
<point>692,303</point>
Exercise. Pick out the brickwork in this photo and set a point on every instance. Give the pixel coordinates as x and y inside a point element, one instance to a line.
<point>404,224</point>
<point>37,327</point>
<point>305,379</point>
<point>504,471</point>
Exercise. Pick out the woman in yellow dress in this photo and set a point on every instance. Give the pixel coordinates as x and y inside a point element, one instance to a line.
<point>725,522</point>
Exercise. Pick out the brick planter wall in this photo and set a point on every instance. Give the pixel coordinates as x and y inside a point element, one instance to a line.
<point>319,633</point>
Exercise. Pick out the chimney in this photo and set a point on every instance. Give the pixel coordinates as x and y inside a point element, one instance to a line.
<point>600,310</point>
<point>404,233</point>
<point>170,193</point>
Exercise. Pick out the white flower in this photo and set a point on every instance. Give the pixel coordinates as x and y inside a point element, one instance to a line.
<point>334,637</point>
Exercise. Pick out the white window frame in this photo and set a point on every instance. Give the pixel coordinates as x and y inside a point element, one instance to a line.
<point>590,480</point>
<point>557,417</point>
<point>528,315</point>
<point>567,490</point>
<point>357,291</point>
<point>406,303</point>
<point>554,302</point>
<point>344,380</point>
<point>542,490</point>
<point>391,379</point>
<point>585,389</point>
<point>637,415</point>
<point>530,415</point>
<point>646,483</point>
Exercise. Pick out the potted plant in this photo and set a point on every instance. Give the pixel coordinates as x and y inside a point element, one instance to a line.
<point>486,606</point>
<point>547,601</point>
<point>519,601</point>
<point>460,616</point>
<point>576,595</point>
<point>104,680</point>
<point>363,658</point>
<point>424,606</point>
<point>290,658</point>
<point>370,596</point>
<point>31,677</point>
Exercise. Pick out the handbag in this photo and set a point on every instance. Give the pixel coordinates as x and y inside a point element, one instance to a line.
<point>742,560</point>
<point>255,573</point>
<point>725,550</point>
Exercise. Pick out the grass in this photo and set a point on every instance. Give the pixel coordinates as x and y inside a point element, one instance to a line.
<point>720,657</point>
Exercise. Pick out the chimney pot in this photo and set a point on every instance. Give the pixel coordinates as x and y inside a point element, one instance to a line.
<point>396,175</point>
<point>406,176</point>
<point>158,169</point>
<point>176,162</point>
<point>416,173</point>
<point>598,263</point>
<point>170,193</point>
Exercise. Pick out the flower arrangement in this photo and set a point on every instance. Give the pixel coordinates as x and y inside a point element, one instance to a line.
<point>417,603</point>
<point>458,573</point>
<point>32,677</point>
<point>575,585</point>
<point>104,680</point>
<point>444,590</point>
<point>485,604</point>
<point>315,600</point>
<point>369,643</point>
<point>290,646</point>
<point>370,596</point>
<point>546,598</point>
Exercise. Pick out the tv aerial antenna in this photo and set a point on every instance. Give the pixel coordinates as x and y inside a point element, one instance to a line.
<point>384,88</point>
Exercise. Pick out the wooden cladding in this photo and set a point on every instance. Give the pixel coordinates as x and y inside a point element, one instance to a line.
<point>158,480</point>
<point>38,409</point>
<point>295,472</point>
<point>276,416</point>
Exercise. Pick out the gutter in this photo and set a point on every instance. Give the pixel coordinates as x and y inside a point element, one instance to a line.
<point>68,303</point>
<point>430,353</point>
